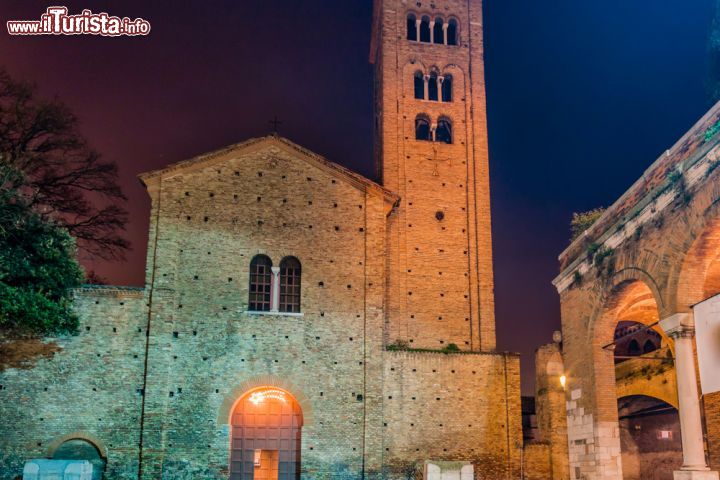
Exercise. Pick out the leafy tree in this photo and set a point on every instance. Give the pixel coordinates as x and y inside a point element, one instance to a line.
<point>37,268</point>
<point>581,221</point>
<point>62,178</point>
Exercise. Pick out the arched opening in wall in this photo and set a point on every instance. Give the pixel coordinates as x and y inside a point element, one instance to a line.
<point>697,291</point>
<point>433,87</point>
<point>411,27</point>
<point>266,435</point>
<point>425,29</point>
<point>444,131</point>
<point>452,32</point>
<point>447,87</point>
<point>419,85</point>
<point>438,34</point>
<point>422,128</point>
<point>626,323</point>
<point>81,449</point>
<point>649,438</point>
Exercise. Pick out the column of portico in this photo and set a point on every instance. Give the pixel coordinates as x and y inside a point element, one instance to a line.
<point>417,28</point>
<point>681,328</point>
<point>275,300</point>
<point>432,31</point>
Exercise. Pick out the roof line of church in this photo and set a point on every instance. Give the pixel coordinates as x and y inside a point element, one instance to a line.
<point>349,175</point>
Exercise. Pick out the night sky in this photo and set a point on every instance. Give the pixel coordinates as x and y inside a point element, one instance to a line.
<point>582,97</point>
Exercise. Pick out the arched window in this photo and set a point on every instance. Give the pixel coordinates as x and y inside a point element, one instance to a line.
<point>81,449</point>
<point>425,29</point>
<point>433,87</point>
<point>438,34</point>
<point>649,346</point>
<point>452,32</point>
<point>447,88</point>
<point>411,27</point>
<point>419,86</point>
<point>290,273</point>
<point>444,131</point>
<point>422,128</point>
<point>633,347</point>
<point>260,298</point>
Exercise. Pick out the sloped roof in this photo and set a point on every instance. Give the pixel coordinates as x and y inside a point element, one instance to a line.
<point>315,160</point>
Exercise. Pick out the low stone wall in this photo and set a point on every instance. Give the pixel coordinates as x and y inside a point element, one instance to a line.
<point>452,407</point>
<point>90,389</point>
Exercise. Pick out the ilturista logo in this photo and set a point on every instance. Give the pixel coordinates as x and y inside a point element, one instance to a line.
<point>57,21</point>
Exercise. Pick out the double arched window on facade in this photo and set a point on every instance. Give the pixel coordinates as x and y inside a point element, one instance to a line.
<point>274,289</point>
<point>425,130</point>
<point>424,29</point>
<point>433,87</point>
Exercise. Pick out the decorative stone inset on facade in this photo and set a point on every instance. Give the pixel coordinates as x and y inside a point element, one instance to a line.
<point>43,469</point>
<point>448,470</point>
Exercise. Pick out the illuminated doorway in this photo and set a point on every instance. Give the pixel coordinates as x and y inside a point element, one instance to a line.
<point>265,441</point>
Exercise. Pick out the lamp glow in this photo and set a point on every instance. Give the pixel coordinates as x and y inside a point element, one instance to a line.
<point>261,395</point>
<point>563,380</point>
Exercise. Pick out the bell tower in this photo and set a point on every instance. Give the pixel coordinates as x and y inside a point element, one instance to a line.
<point>431,148</point>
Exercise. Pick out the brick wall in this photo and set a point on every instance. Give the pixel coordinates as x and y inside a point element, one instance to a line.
<point>453,407</point>
<point>91,389</point>
<point>536,461</point>
<point>440,288</point>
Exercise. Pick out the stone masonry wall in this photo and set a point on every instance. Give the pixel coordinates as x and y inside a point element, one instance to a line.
<point>452,407</point>
<point>207,349</point>
<point>91,389</point>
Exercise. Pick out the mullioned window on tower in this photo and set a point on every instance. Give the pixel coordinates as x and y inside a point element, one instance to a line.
<point>425,130</point>
<point>433,87</point>
<point>424,29</point>
<point>274,289</point>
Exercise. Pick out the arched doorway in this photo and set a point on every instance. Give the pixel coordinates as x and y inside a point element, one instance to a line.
<point>650,438</point>
<point>633,355</point>
<point>81,449</point>
<point>266,433</point>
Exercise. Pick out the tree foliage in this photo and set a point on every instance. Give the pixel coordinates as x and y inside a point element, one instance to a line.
<point>60,177</point>
<point>581,221</point>
<point>37,268</point>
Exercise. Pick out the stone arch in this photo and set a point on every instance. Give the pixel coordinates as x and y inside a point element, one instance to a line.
<point>699,275</point>
<point>79,435</point>
<point>629,296</point>
<point>410,69</point>
<point>236,394</point>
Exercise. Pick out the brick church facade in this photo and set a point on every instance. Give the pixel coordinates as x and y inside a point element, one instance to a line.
<point>299,320</point>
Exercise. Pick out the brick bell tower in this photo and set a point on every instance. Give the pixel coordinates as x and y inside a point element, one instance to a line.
<point>431,148</point>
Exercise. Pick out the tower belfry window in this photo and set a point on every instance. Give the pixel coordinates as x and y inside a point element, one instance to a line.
<point>419,85</point>
<point>422,128</point>
<point>438,31</point>
<point>425,29</point>
<point>446,88</point>
<point>443,132</point>
<point>452,32</point>
<point>433,87</point>
<point>412,29</point>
